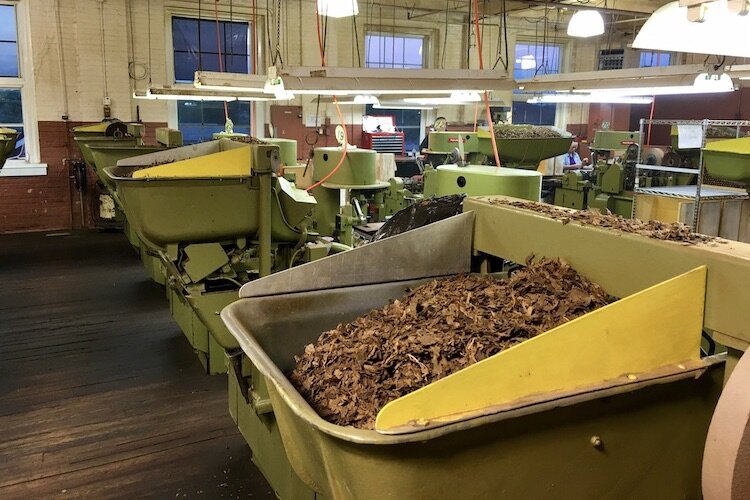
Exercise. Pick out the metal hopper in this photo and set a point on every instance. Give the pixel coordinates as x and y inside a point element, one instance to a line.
<point>728,160</point>
<point>8,138</point>
<point>524,152</point>
<point>572,413</point>
<point>206,211</point>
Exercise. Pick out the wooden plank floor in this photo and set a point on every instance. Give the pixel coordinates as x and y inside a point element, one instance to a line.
<point>100,394</point>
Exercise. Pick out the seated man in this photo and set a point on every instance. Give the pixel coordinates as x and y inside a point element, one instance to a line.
<point>571,160</point>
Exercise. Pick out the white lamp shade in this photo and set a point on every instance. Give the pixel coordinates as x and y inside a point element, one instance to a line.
<point>717,83</point>
<point>586,23</point>
<point>338,8</point>
<point>721,32</point>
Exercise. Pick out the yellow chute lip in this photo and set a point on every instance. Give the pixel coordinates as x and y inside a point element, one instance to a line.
<point>230,163</point>
<point>649,334</point>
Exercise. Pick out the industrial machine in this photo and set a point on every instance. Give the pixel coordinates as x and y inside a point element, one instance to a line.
<point>100,152</point>
<point>8,139</point>
<point>216,216</point>
<point>608,185</point>
<point>615,403</point>
<point>519,157</point>
<point>114,132</point>
<point>355,196</point>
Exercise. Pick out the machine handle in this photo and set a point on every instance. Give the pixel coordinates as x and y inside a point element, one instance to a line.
<point>260,404</point>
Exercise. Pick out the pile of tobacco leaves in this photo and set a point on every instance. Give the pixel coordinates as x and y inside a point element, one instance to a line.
<point>524,132</point>
<point>671,231</point>
<point>248,140</point>
<point>352,371</point>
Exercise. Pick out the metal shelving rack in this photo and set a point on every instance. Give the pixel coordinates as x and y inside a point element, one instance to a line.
<point>683,193</point>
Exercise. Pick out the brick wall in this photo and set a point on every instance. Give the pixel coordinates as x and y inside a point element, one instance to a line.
<point>46,203</point>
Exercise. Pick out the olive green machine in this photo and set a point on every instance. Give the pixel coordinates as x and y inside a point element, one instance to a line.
<point>216,217</point>
<point>102,145</point>
<point>616,403</point>
<point>464,171</point>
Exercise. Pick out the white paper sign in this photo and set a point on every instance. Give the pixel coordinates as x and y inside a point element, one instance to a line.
<point>689,136</point>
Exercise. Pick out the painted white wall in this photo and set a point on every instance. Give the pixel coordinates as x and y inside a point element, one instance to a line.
<point>83,64</point>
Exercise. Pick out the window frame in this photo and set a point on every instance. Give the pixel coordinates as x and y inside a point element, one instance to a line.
<point>258,112</point>
<point>565,58</point>
<point>31,165</point>
<point>429,57</point>
<point>658,53</point>
<point>399,35</point>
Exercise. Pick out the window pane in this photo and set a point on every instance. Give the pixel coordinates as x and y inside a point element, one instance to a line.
<point>236,38</point>
<point>200,120</point>
<point>11,112</point>
<point>236,64</point>
<point>651,59</point>
<point>413,51</point>
<point>208,37</point>
<point>534,114</point>
<point>8,23</point>
<point>185,34</point>
<point>8,59</point>
<point>185,66</point>
<point>532,59</point>
<point>209,61</point>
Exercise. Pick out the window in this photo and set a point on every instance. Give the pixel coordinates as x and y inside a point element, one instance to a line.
<point>17,110</point>
<point>652,59</point>
<point>197,47</point>
<point>394,51</point>
<point>400,52</point>
<point>11,110</point>
<point>8,42</point>
<point>532,60</point>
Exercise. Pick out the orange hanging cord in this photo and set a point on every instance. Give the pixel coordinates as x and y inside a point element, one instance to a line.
<point>218,47</point>
<point>338,109</point>
<point>486,94</point>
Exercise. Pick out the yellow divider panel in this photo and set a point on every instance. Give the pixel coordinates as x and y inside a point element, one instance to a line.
<point>655,328</point>
<point>231,163</point>
<point>98,127</point>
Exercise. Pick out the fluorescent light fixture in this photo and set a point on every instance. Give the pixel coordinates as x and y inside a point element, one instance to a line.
<point>714,82</point>
<point>365,99</point>
<point>169,93</point>
<point>359,99</point>
<point>353,81</point>
<point>720,33</point>
<point>465,96</point>
<point>338,8</point>
<point>528,61</point>
<point>590,98</point>
<point>396,105</point>
<point>179,94</point>
<point>586,23</point>
<point>455,98</point>
<point>704,84</point>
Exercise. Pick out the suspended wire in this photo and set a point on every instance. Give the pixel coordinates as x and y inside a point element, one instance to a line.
<point>277,57</point>
<point>148,7</point>
<point>104,47</point>
<point>486,94</point>
<point>268,30</point>
<point>356,38</point>
<point>321,47</point>
<point>445,35</point>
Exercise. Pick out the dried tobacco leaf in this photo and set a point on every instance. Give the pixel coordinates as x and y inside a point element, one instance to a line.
<point>352,371</point>
<point>524,132</point>
<point>670,231</point>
